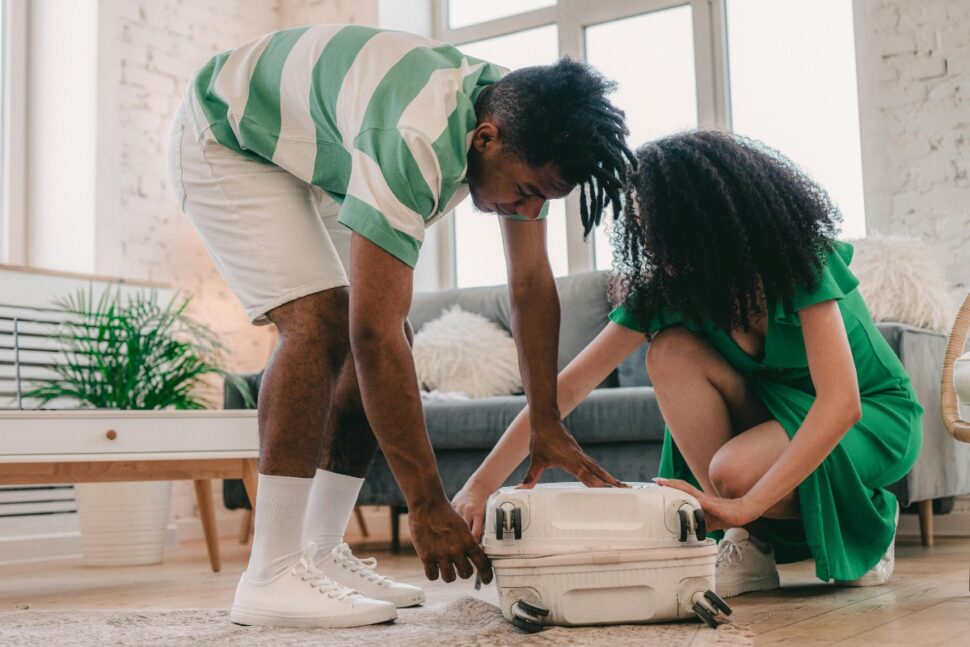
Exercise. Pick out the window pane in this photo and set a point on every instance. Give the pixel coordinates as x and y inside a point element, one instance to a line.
<point>651,57</point>
<point>479,256</point>
<point>538,46</point>
<point>793,86</point>
<point>3,101</point>
<point>480,259</point>
<point>469,12</point>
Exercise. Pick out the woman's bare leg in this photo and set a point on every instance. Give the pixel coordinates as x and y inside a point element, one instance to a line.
<point>725,433</point>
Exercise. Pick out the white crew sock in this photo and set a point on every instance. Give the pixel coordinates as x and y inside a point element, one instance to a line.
<point>281,502</point>
<point>332,500</point>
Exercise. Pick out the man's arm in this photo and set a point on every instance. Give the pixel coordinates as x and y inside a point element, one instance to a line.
<point>535,326</point>
<point>380,298</point>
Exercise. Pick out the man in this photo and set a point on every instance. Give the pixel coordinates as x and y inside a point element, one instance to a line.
<point>310,162</point>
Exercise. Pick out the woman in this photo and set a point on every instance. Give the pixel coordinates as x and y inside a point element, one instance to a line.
<point>788,413</point>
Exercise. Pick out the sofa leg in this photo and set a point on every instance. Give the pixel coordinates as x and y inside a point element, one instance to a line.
<point>246,528</point>
<point>359,514</point>
<point>395,529</point>
<point>926,522</point>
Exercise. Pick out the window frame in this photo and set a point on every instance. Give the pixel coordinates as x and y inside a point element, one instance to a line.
<point>572,17</point>
<point>13,143</point>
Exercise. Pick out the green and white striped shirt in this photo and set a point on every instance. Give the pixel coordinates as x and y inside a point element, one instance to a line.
<point>380,120</point>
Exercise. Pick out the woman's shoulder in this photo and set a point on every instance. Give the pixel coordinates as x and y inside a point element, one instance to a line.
<point>834,281</point>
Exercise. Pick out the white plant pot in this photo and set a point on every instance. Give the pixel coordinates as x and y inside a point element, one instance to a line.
<point>123,524</point>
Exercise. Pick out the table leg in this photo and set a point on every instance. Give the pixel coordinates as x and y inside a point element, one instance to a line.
<point>250,477</point>
<point>203,495</point>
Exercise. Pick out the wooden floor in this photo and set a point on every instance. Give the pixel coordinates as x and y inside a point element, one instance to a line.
<point>927,602</point>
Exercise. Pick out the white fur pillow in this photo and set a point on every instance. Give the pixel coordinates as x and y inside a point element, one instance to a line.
<point>464,351</point>
<point>901,280</point>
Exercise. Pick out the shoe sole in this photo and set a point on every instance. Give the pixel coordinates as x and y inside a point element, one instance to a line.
<point>414,601</point>
<point>868,579</point>
<point>260,619</point>
<point>753,585</point>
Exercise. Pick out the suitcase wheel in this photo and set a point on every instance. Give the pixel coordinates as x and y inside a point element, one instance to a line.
<point>528,617</point>
<point>533,609</point>
<point>718,602</point>
<point>705,614</point>
<point>526,626</point>
<point>499,523</point>
<point>517,523</point>
<point>700,525</point>
<point>684,524</point>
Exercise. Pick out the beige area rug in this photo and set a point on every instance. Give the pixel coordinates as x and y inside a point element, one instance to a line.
<point>467,621</point>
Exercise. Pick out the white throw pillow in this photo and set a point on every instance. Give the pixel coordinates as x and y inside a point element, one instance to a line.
<point>901,280</point>
<point>463,351</point>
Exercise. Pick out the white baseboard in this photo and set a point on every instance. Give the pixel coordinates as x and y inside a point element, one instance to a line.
<point>63,544</point>
<point>955,524</point>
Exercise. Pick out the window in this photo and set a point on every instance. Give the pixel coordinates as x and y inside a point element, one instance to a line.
<point>649,56</point>
<point>3,128</point>
<point>13,29</point>
<point>479,256</point>
<point>469,12</point>
<point>793,86</point>
<point>671,61</point>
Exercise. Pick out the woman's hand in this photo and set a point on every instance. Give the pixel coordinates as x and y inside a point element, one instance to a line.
<point>719,513</point>
<point>470,504</point>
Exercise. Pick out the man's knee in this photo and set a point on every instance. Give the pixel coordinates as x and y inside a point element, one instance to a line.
<point>318,324</point>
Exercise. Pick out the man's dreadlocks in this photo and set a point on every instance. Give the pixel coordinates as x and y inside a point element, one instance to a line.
<point>560,113</point>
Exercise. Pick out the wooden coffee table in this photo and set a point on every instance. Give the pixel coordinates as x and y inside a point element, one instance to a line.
<point>41,447</point>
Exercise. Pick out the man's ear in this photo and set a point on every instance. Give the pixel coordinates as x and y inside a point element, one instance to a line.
<point>486,134</point>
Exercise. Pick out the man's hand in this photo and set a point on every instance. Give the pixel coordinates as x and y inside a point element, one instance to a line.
<point>445,545</point>
<point>553,446</point>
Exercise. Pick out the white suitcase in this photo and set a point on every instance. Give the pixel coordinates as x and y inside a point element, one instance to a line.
<point>568,555</point>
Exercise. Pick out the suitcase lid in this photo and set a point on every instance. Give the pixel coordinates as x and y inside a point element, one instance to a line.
<point>558,518</point>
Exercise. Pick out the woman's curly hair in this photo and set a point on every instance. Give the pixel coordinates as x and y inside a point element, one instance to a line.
<point>715,227</point>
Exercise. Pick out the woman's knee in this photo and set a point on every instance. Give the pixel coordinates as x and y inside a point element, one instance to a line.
<point>729,474</point>
<point>668,350</point>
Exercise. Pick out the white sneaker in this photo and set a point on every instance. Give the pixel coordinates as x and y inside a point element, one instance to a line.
<point>361,575</point>
<point>742,567</point>
<point>304,597</point>
<point>883,570</point>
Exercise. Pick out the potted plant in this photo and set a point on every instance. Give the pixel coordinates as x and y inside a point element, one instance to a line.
<point>128,353</point>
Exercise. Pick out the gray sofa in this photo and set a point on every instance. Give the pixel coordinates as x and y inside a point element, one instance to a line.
<point>620,423</point>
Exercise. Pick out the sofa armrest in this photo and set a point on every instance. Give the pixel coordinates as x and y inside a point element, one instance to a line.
<point>943,467</point>
<point>233,399</point>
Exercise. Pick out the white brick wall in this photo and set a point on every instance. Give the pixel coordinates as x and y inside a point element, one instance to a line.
<point>914,102</point>
<point>149,48</point>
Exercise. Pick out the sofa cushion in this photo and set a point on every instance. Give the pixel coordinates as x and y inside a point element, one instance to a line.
<point>607,415</point>
<point>582,298</point>
<point>633,370</point>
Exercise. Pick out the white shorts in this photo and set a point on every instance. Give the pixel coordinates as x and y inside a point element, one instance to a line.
<point>273,237</point>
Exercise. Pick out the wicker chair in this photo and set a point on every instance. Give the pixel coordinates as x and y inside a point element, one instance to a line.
<point>950,399</point>
<point>950,403</point>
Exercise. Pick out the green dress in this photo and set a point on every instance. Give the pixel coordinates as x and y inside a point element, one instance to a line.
<point>847,514</point>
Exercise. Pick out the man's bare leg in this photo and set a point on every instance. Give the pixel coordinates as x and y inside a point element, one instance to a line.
<point>295,399</point>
